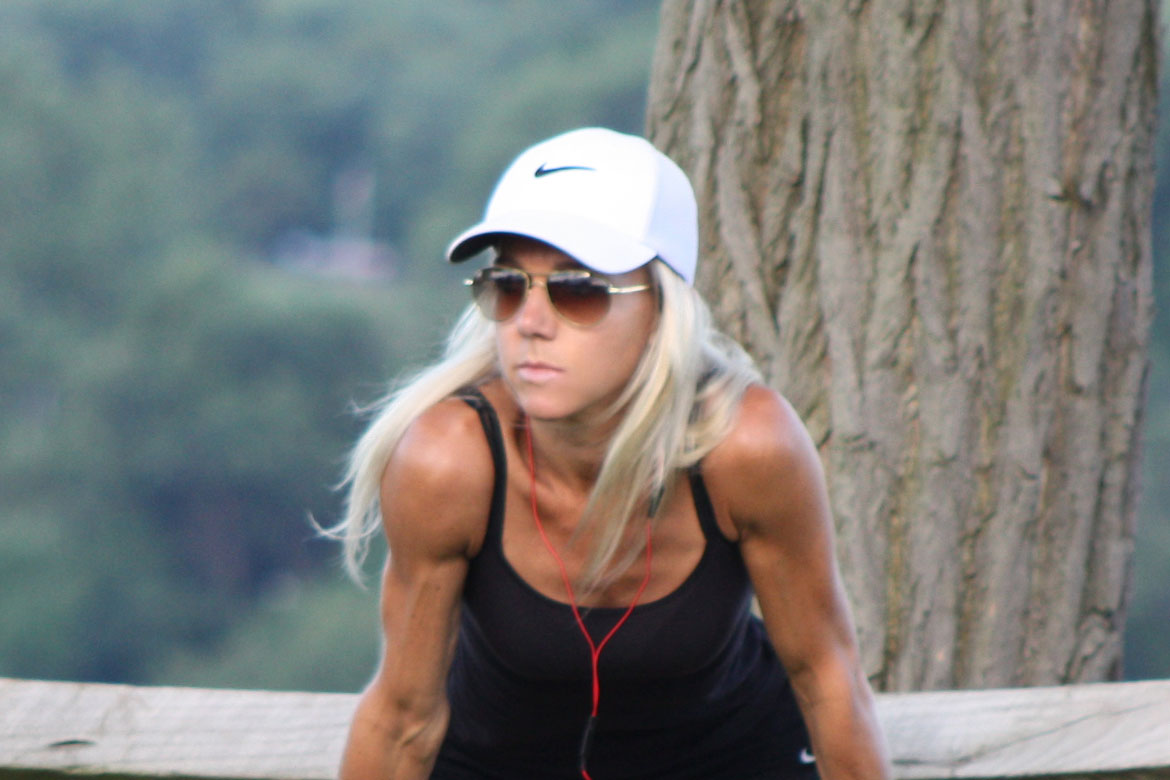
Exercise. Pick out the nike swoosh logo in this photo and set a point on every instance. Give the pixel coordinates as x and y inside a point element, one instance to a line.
<point>806,757</point>
<point>542,171</point>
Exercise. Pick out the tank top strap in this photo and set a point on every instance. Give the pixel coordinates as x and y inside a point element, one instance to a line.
<point>474,398</point>
<point>703,506</point>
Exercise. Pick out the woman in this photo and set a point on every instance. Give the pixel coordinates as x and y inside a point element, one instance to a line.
<point>580,500</point>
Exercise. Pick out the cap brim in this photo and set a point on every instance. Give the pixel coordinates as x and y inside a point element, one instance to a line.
<point>593,245</point>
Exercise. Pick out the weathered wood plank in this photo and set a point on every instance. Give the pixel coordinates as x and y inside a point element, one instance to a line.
<point>1107,730</point>
<point>55,729</point>
<point>167,732</point>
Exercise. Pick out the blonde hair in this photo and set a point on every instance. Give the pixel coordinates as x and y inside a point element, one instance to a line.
<point>679,403</point>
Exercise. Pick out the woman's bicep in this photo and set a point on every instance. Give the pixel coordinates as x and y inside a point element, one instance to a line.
<point>803,604</point>
<point>420,618</point>
<point>779,504</point>
<point>435,498</point>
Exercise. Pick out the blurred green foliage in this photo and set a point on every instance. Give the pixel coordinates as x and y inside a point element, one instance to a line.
<point>175,401</point>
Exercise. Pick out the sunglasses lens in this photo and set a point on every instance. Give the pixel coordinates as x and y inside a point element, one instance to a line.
<point>582,300</point>
<point>499,292</point>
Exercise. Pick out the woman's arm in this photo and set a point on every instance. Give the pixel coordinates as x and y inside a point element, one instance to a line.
<point>768,479</point>
<point>435,499</point>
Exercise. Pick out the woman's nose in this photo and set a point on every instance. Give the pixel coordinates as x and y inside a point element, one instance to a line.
<point>536,316</point>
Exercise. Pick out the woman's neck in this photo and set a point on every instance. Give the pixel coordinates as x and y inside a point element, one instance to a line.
<point>568,452</point>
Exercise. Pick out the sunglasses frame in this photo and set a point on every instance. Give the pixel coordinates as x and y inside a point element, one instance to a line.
<point>483,274</point>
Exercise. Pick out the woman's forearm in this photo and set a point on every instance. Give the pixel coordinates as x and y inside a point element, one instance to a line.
<point>383,745</point>
<point>847,737</point>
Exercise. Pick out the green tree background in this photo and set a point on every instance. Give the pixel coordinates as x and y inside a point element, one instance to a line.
<point>220,228</point>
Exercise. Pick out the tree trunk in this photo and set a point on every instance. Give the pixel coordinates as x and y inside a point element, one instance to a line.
<point>929,222</point>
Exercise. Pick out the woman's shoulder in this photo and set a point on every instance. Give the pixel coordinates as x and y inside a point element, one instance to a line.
<point>765,427</point>
<point>767,444</point>
<point>445,437</point>
<point>442,469</point>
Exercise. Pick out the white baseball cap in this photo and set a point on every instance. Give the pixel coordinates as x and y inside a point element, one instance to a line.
<point>610,201</point>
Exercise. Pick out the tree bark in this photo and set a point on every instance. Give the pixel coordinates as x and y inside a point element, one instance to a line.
<point>929,222</point>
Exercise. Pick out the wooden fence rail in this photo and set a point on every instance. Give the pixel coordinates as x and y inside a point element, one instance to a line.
<point>55,729</point>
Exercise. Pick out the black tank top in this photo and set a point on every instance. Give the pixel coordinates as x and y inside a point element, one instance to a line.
<point>691,688</point>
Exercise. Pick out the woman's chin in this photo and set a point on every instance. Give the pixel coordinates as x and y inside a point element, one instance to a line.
<point>542,402</point>
<point>538,406</point>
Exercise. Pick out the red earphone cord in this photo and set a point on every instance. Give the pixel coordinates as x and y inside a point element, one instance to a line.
<point>594,649</point>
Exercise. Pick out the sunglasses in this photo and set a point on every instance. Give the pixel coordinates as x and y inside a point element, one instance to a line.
<point>578,296</point>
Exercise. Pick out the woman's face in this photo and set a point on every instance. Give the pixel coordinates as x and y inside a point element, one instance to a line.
<point>560,371</point>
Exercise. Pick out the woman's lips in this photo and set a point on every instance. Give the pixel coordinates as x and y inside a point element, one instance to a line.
<point>536,373</point>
